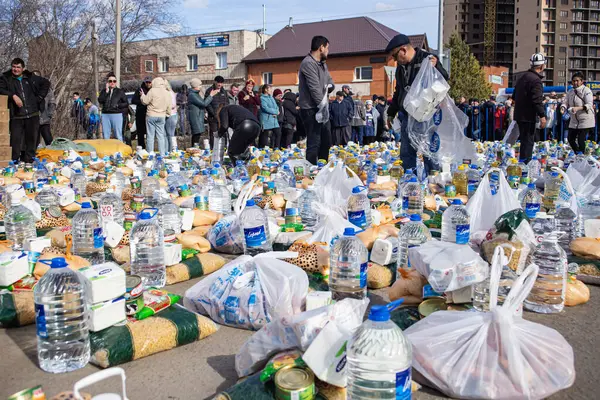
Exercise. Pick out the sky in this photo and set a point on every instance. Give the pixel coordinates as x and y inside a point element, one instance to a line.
<point>405,16</point>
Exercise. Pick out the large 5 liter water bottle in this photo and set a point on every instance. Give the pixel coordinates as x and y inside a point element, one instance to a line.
<point>531,201</point>
<point>40,178</point>
<point>542,225</point>
<point>78,183</point>
<point>348,267</point>
<point>118,182</point>
<point>359,208</point>
<point>19,223</point>
<point>47,197</point>
<point>548,292</point>
<point>589,209</point>
<point>88,239</point>
<point>379,358</point>
<point>146,249</point>
<point>413,233</point>
<point>534,168</point>
<point>61,319</point>
<point>412,197</point>
<point>307,213</point>
<point>219,198</point>
<point>565,221</point>
<point>456,226</point>
<point>255,225</point>
<point>150,185</point>
<point>110,207</point>
<point>170,220</point>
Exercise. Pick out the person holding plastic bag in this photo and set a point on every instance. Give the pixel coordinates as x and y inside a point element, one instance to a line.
<point>314,85</point>
<point>409,61</point>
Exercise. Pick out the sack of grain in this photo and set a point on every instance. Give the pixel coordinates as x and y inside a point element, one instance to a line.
<point>16,308</point>
<point>194,240</point>
<point>172,328</point>
<point>196,266</point>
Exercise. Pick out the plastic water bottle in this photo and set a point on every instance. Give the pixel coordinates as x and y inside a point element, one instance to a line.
<point>255,225</point>
<point>221,174</point>
<point>542,225</point>
<point>481,290</point>
<point>150,185</point>
<point>146,250</point>
<point>88,239</point>
<point>348,262</point>
<point>287,171</point>
<point>456,226</point>
<point>534,168</point>
<point>551,190</point>
<point>219,199</point>
<point>19,224</point>
<point>40,177</point>
<point>531,201</point>
<point>359,208</point>
<point>589,209</point>
<point>307,214</point>
<point>565,225</point>
<point>549,290</point>
<point>372,174</point>
<point>110,208</point>
<point>47,197</point>
<point>78,183</point>
<point>413,233</point>
<point>61,317</point>
<point>473,180</point>
<point>118,182</point>
<point>170,220</point>
<point>412,197</point>
<point>379,358</point>
<point>159,164</point>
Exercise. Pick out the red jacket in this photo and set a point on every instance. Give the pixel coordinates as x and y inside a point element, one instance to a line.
<point>500,118</point>
<point>252,104</point>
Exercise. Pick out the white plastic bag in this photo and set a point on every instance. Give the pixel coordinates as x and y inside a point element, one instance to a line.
<point>512,133</point>
<point>296,332</point>
<point>427,91</point>
<point>448,266</point>
<point>322,115</point>
<point>579,172</point>
<point>334,186</point>
<point>250,292</point>
<point>492,355</point>
<point>487,204</point>
<point>566,192</point>
<point>331,224</point>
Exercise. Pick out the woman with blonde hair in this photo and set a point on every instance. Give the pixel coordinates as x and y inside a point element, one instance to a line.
<point>197,104</point>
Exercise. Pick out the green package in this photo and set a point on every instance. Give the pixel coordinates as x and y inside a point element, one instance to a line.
<point>155,301</point>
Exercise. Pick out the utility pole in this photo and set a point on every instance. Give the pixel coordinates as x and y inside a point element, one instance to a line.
<point>441,33</point>
<point>118,43</point>
<point>95,63</point>
<point>264,30</point>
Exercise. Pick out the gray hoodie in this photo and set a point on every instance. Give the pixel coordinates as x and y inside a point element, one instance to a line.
<point>313,78</point>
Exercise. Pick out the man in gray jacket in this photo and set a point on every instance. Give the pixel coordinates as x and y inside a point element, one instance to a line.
<point>46,116</point>
<point>314,84</point>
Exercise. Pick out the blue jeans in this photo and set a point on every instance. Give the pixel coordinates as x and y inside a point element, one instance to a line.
<point>357,134</point>
<point>170,125</point>
<point>408,154</point>
<point>155,126</point>
<point>112,122</point>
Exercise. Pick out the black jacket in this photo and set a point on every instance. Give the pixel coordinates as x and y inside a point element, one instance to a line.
<point>113,102</point>
<point>280,116</point>
<point>405,76</point>
<point>529,97</point>
<point>218,99</point>
<point>140,108</point>
<point>231,116</point>
<point>31,89</point>
<point>289,109</point>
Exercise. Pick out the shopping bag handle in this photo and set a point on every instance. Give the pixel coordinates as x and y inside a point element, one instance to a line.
<point>521,289</point>
<point>97,377</point>
<point>496,271</point>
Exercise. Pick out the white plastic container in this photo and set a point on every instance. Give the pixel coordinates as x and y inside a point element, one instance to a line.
<point>104,282</point>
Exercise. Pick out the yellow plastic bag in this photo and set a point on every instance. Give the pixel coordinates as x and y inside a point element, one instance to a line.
<point>108,147</point>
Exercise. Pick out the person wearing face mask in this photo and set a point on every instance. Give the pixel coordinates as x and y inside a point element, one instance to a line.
<point>114,103</point>
<point>579,104</point>
<point>409,60</point>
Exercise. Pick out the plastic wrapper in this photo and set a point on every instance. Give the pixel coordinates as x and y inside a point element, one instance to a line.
<point>284,240</point>
<point>409,286</point>
<point>334,184</point>
<point>249,292</point>
<point>427,91</point>
<point>296,332</point>
<point>172,328</point>
<point>577,292</point>
<point>194,240</point>
<point>331,224</point>
<point>489,203</point>
<point>194,267</point>
<point>448,266</point>
<point>226,235</point>
<point>512,133</point>
<point>155,301</point>
<point>492,355</point>
<point>16,308</point>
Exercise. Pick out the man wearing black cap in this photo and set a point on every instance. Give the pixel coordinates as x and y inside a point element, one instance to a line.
<point>219,98</point>
<point>409,62</point>
<point>140,111</point>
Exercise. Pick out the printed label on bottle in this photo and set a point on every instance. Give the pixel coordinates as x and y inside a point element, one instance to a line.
<point>255,237</point>
<point>98,238</point>
<point>363,275</point>
<point>513,180</point>
<point>462,233</point>
<point>358,218</point>
<point>405,203</point>
<point>40,321</point>
<point>106,211</point>
<point>531,209</point>
<point>403,385</point>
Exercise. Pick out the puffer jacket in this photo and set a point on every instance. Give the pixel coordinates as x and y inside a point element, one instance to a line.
<point>268,112</point>
<point>31,89</point>
<point>290,114</point>
<point>581,97</point>
<point>158,99</point>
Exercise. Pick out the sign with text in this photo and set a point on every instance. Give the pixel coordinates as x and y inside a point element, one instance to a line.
<point>212,41</point>
<point>593,86</point>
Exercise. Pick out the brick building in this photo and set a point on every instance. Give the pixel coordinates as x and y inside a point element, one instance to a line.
<point>356,55</point>
<point>497,77</point>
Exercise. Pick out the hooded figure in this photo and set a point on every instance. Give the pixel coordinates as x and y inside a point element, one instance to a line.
<point>158,100</point>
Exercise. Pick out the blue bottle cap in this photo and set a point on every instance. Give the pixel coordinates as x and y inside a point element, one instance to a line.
<point>413,179</point>
<point>145,215</point>
<point>349,232</point>
<point>58,262</point>
<point>415,217</point>
<point>250,203</point>
<point>356,189</point>
<point>531,185</point>
<point>271,185</point>
<point>239,163</point>
<point>217,165</point>
<point>86,204</point>
<point>382,313</point>
<point>214,171</point>
<point>456,202</point>
<point>554,174</point>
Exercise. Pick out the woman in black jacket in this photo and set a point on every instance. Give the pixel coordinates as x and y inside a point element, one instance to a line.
<point>245,128</point>
<point>114,103</point>
<point>290,115</point>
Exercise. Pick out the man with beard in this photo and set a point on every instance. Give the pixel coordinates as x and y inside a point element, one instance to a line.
<point>314,83</point>
<point>141,110</point>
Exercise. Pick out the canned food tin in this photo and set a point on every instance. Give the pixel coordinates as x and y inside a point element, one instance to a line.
<point>134,301</point>
<point>292,216</point>
<point>29,187</point>
<point>429,306</point>
<point>450,191</point>
<point>130,218</point>
<point>135,182</point>
<point>293,383</point>
<point>35,393</point>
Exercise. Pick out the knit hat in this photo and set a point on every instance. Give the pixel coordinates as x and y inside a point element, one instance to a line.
<point>195,83</point>
<point>277,92</point>
<point>397,41</point>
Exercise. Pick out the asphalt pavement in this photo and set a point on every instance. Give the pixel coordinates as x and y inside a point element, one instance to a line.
<point>202,369</point>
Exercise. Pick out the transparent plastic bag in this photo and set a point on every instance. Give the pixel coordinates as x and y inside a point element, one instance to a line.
<point>492,355</point>
<point>427,91</point>
<point>322,115</point>
<point>489,203</point>
<point>583,176</point>
<point>250,292</point>
<point>512,133</point>
<point>331,224</point>
<point>296,332</point>
<point>226,236</point>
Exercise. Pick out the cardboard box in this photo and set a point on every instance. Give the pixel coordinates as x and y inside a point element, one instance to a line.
<point>4,139</point>
<point>4,127</point>
<point>4,115</point>
<point>3,102</point>
<point>5,153</point>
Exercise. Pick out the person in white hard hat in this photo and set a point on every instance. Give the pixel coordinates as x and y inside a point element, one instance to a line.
<point>529,104</point>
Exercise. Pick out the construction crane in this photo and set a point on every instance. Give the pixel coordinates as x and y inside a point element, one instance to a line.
<point>489,34</point>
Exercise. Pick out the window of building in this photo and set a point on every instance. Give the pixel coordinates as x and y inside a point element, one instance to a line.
<point>561,74</point>
<point>537,38</point>
<point>192,64</point>
<point>594,4</point>
<point>562,25</point>
<point>163,64</point>
<point>562,61</point>
<point>564,2</point>
<point>563,38</point>
<point>475,26</point>
<point>562,49</point>
<point>267,78</point>
<point>363,73</point>
<point>149,66</point>
<point>221,62</point>
<point>564,13</point>
<point>476,16</point>
<point>476,6</point>
<point>476,36</point>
